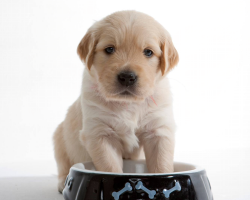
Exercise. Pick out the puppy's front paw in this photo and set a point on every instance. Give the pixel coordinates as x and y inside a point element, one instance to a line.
<point>160,168</point>
<point>60,185</point>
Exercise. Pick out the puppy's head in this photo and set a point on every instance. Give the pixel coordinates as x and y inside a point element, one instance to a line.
<point>127,53</point>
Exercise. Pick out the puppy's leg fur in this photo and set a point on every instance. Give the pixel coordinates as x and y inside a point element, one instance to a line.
<point>105,150</point>
<point>159,150</point>
<point>63,163</point>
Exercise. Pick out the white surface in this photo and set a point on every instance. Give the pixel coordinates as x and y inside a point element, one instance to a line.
<point>28,168</point>
<point>40,76</point>
<point>29,188</point>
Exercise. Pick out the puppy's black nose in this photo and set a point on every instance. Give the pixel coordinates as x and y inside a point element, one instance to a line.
<point>127,78</point>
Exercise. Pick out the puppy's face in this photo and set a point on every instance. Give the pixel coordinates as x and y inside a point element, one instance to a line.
<point>127,53</point>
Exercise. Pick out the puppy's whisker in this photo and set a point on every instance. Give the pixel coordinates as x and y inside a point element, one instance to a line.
<point>153,99</point>
<point>93,87</point>
<point>176,80</point>
<point>125,105</point>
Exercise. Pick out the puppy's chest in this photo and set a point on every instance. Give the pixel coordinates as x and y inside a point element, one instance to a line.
<point>130,119</point>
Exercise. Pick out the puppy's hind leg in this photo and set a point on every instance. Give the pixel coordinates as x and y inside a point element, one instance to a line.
<point>62,160</point>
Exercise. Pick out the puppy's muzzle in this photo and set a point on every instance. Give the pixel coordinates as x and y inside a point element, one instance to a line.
<point>127,78</point>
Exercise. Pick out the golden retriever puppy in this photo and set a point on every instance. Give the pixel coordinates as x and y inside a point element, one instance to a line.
<point>125,105</point>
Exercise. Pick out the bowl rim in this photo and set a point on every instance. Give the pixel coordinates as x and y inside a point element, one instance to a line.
<point>81,168</point>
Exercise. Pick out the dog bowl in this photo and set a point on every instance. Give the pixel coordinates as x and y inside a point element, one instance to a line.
<point>187,182</point>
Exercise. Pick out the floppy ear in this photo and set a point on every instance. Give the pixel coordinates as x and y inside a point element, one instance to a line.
<point>169,56</point>
<point>86,49</point>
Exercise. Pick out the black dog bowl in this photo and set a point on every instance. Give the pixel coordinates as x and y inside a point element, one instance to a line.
<point>188,182</point>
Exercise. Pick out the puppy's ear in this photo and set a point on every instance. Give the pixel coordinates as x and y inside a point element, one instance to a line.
<point>169,56</point>
<point>86,48</point>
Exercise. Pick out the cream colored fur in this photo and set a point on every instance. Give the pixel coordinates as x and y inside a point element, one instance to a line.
<point>104,126</point>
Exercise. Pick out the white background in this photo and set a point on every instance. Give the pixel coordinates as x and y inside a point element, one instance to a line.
<point>40,77</point>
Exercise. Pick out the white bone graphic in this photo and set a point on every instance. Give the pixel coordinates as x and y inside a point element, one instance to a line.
<point>127,187</point>
<point>151,193</point>
<point>176,187</point>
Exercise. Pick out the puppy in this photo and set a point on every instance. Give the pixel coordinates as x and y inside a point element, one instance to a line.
<point>125,105</point>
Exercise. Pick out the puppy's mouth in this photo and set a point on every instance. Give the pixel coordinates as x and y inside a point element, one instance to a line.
<point>128,92</point>
<point>125,93</point>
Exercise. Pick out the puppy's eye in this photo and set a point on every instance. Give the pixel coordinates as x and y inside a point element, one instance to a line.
<point>148,53</point>
<point>110,50</point>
